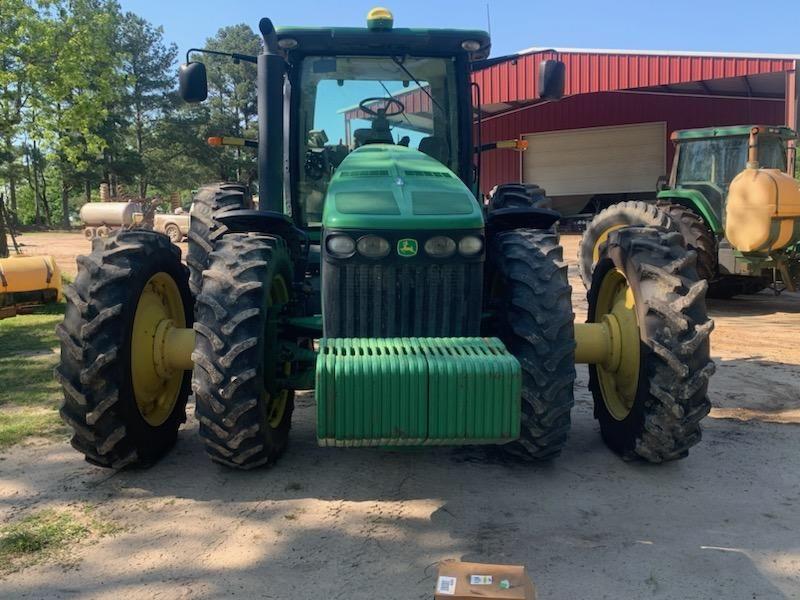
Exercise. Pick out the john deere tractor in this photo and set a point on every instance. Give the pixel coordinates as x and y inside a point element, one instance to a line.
<point>733,197</point>
<point>371,274</point>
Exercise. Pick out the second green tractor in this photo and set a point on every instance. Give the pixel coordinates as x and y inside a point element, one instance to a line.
<point>733,198</point>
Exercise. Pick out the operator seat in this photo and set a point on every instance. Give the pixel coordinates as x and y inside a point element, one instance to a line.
<point>435,147</point>
<point>379,133</point>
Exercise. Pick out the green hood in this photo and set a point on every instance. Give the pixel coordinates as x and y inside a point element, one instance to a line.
<point>383,186</point>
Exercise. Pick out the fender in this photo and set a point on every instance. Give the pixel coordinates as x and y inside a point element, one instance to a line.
<point>504,219</point>
<point>697,201</point>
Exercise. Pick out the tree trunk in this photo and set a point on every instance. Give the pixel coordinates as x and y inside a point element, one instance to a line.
<point>87,189</point>
<point>45,203</point>
<point>12,196</point>
<point>3,229</point>
<point>64,204</point>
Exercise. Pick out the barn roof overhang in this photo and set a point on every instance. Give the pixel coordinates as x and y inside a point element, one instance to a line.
<point>510,82</point>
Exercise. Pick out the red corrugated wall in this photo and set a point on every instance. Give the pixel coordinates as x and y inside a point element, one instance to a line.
<point>616,108</point>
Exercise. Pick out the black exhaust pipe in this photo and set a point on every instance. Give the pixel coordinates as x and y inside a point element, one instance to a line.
<point>271,74</point>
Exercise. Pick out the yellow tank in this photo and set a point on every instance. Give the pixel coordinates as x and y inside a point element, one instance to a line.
<point>762,213</point>
<point>28,280</point>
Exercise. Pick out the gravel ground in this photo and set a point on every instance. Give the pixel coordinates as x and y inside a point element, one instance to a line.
<point>372,524</point>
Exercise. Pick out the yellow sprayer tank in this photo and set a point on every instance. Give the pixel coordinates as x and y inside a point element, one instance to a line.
<point>28,280</point>
<point>762,213</point>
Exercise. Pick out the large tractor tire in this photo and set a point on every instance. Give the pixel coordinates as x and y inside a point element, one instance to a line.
<point>530,297</point>
<point>243,407</point>
<point>615,217</point>
<point>651,401</point>
<point>697,236</point>
<point>204,229</point>
<point>121,411</point>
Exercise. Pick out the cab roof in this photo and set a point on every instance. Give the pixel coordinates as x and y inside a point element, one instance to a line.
<point>383,42</point>
<point>730,131</point>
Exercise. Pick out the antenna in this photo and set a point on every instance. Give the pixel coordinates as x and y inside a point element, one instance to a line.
<point>488,21</point>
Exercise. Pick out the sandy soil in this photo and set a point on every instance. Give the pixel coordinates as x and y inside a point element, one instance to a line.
<point>372,524</point>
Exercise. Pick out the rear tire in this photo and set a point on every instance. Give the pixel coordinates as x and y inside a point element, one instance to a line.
<point>204,229</point>
<point>670,396</point>
<point>244,412</point>
<point>697,236</point>
<point>531,298</point>
<point>610,219</point>
<point>95,370</point>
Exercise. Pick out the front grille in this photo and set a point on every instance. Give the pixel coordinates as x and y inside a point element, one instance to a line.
<point>402,300</point>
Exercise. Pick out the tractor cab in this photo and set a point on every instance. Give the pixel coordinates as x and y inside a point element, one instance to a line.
<point>373,91</point>
<point>707,160</point>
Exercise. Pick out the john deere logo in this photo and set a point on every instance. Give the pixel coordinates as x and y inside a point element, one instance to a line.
<point>407,247</point>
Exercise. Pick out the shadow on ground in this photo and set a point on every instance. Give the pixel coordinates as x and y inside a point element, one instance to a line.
<point>372,523</point>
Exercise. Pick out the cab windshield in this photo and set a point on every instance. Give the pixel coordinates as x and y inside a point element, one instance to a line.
<point>349,102</point>
<point>719,160</point>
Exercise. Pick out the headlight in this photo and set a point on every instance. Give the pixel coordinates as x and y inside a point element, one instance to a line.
<point>340,246</point>
<point>440,246</point>
<point>471,45</point>
<point>470,245</point>
<point>373,246</point>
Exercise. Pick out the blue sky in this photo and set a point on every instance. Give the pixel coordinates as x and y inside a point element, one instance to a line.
<point>710,25</point>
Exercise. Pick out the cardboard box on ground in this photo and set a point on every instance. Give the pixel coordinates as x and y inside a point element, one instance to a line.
<point>469,581</point>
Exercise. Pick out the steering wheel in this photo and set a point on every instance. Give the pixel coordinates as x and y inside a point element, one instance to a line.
<point>382,112</point>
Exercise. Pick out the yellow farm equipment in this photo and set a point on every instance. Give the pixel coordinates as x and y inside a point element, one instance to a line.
<point>26,281</point>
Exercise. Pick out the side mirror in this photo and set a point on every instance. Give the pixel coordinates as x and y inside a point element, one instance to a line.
<point>662,183</point>
<point>551,79</point>
<point>193,82</point>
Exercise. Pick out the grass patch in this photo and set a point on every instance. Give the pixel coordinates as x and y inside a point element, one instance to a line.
<point>30,396</point>
<point>16,425</point>
<point>37,536</point>
<point>48,534</point>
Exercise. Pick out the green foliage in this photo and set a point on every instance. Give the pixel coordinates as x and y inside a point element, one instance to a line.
<point>87,94</point>
<point>232,98</point>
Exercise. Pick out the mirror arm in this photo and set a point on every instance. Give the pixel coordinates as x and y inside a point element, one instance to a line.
<point>234,55</point>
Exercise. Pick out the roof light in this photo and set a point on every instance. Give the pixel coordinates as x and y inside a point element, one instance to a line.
<point>379,19</point>
<point>288,43</point>
<point>471,45</point>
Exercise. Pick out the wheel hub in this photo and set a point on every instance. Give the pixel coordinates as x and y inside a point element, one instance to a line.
<point>618,374</point>
<point>158,320</point>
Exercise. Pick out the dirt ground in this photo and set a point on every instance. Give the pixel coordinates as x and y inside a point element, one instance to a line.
<point>372,524</point>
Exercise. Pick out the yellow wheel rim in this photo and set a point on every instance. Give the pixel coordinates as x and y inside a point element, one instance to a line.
<point>619,375</point>
<point>276,404</point>
<point>155,390</point>
<point>601,240</point>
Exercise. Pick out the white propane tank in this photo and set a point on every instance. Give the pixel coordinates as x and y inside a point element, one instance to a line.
<point>114,214</point>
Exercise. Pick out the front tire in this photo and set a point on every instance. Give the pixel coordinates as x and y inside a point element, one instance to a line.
<point>119,418</point>
<point>243,406</point>
<point>616,216</point>
<point>530,296</point>
<point>650,405</point>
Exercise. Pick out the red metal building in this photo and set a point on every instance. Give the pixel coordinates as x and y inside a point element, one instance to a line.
<point>615,99</point>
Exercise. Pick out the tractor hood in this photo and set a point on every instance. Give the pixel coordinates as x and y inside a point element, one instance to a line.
<point>383,186</point>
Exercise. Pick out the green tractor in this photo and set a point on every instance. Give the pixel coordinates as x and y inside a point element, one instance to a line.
<point>695,202</point>
<point>371,274</point>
